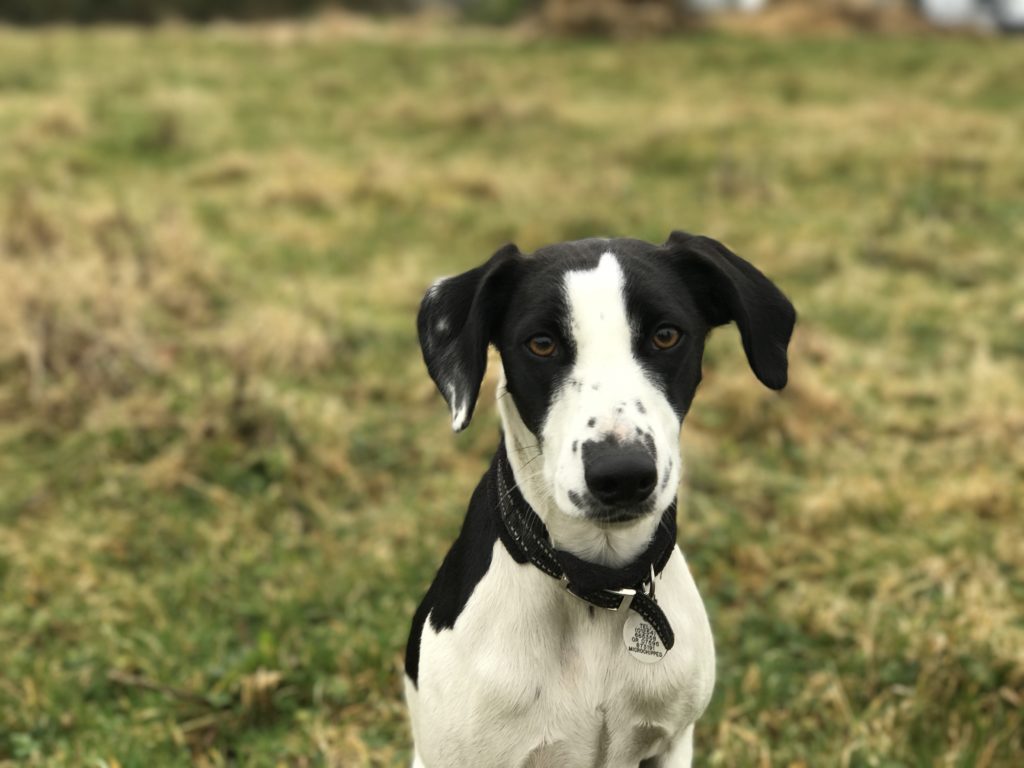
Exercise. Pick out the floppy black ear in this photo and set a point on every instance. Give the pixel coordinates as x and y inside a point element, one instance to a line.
<point>456,322</point>
<point>728,288</point>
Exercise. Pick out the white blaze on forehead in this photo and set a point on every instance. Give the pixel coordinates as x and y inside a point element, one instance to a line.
<point>597,315</point>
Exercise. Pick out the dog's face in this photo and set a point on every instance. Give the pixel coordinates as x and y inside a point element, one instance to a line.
<point>601,343</point>
<point>601,359</point>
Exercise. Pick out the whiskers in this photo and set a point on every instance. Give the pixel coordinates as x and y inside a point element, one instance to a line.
<point>517,448</point>
<point>540,493</point>
<point>540,488</point>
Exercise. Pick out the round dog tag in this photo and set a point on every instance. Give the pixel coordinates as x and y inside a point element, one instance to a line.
<point>641,640</point>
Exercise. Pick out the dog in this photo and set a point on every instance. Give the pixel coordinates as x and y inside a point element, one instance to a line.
<point>563,627</point>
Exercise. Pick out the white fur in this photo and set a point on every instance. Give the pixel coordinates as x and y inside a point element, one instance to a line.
<point>460,411</point>
<point>531,673</point>
<point>530,676</point>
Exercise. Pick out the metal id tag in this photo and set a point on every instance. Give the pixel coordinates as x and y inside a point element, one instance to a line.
<point>642,642</point>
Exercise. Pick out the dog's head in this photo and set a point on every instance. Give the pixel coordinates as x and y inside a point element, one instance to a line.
<point>601,344</point>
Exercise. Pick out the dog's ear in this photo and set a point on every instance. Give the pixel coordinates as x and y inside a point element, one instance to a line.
<point>457,320</point>
<point>728,288</point>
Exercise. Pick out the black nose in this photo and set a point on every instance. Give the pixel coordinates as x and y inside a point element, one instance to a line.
<point>618,475</point>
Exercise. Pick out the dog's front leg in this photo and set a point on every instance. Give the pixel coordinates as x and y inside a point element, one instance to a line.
<point>679,756</point>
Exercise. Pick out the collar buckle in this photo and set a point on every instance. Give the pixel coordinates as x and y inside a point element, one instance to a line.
<point>625,595</point>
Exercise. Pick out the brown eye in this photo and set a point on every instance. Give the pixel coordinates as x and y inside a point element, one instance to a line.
<point>666,337</point>
<point>542,346</point>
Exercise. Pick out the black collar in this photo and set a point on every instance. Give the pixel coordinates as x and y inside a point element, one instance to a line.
<point>627,587</point>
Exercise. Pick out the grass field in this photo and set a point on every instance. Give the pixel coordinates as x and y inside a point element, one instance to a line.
<point>226,479</point>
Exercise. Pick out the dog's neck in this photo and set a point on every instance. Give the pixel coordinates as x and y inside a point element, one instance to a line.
<point>611,545</point>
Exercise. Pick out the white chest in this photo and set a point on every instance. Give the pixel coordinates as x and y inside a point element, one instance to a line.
<point>531,676</point>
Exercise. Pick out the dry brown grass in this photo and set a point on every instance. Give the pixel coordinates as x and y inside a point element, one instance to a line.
<point>225,478</point>
<point>85,290</point>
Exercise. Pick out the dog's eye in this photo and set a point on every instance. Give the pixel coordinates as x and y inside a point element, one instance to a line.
<point>542,346</point>
<point>666,337</point>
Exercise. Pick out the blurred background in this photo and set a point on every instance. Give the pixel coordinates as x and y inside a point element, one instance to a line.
<point>226,479</point>
<point>615,16</point>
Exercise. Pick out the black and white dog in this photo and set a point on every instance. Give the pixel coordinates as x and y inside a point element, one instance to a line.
<point>563,628</point>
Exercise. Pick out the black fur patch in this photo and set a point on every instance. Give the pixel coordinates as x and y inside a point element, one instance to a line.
<point>462,569</point>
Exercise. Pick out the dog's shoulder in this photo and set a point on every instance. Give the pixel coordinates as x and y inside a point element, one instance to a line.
<point>463,567</point>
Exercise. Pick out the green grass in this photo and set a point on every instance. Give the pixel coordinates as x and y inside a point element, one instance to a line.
<point>226,480</point>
